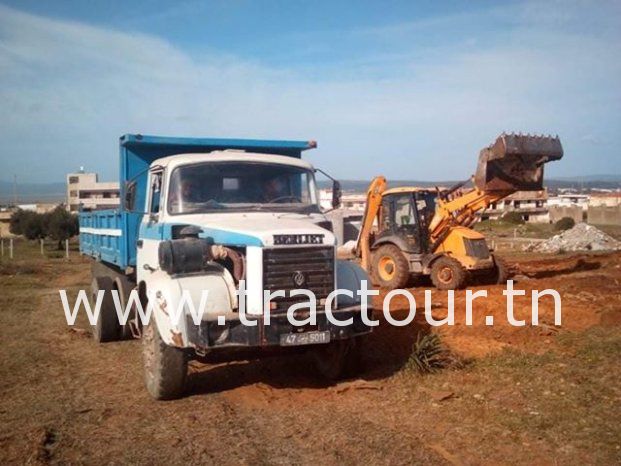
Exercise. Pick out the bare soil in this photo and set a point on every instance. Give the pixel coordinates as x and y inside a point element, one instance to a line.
<point>525,394</point>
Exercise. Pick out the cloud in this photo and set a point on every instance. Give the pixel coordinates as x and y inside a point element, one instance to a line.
<point>70,89</point>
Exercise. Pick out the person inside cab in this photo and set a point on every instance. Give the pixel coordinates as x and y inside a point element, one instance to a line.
<point>275,189</point>
<point>190,191</point>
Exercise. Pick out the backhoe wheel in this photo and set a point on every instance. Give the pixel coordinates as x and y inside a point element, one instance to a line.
<point>165,367</point>
<point>447,274</point>
<point>107,327</point>
<point>389,267</point>
<point>500,273</point>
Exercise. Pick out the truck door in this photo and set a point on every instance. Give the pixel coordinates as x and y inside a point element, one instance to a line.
<point>151,228</point>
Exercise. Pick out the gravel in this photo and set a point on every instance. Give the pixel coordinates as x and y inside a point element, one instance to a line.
<point>581,237</point>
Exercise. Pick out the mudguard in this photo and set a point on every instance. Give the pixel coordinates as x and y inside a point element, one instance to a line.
<point>166,292</point>
<point>349,276</point>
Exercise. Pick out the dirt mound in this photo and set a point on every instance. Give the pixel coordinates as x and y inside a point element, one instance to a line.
<point>581,237</point>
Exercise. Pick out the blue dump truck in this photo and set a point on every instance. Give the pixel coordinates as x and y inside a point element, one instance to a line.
<point>212,236</point>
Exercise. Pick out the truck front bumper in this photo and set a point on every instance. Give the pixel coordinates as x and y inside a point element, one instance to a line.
<point>209,334</point>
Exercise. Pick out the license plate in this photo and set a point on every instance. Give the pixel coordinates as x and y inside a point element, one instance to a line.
<point>306,338</point>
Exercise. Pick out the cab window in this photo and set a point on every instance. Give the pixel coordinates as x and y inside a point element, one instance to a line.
<point>404,215</point>
<point>156,193</point>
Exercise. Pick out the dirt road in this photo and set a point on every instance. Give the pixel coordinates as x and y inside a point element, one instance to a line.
<point>528,394</point>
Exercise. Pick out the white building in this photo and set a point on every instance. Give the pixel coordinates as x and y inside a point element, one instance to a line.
<point>606,199</point>
<point>86,191</point>
<point>531,205</point>
<point>568,200</point>
<point>349,201</point>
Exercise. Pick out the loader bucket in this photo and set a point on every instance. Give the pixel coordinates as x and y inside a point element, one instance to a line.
<point>515,162</point>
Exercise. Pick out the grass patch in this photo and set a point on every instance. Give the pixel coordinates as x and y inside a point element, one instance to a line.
<point>430,355</point>
<point>612,230</point>
<point>503,228</point>
<point>16,268</point>
<point>56,255</point>
<point>567,399</point>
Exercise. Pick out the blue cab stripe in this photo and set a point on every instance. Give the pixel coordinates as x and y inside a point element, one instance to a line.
<point>159,231</point>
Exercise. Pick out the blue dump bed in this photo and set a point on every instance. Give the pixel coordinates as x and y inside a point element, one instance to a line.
<point>110,235</point>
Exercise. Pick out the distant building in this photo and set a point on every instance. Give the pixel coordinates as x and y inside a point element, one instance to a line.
<point>40,208</point>
<point>531,205</point>
<point>605,208</point>
<point>85,191</point>
<point>349,201</point>
<point>606,199</point>
<point>570,199</point>
<point>5,222</point>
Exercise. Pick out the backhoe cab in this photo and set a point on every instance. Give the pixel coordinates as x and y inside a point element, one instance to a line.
<point>426,232</point>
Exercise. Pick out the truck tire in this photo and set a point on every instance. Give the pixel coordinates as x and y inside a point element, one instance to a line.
<point>165,367</point>
<point>337,359</point>
<point>107,327</point>
<point>389,267</point>
<point>353,360</point>
<point>448,274</point>
<point>500,272</point>
<point>124,287</point>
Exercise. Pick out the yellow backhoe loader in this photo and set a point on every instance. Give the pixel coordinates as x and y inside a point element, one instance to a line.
<point>427,232</point>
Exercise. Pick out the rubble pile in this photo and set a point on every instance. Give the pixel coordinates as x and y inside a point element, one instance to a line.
<point>581,237</point>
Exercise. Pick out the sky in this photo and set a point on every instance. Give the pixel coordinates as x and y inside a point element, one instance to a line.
<point>407,89</point>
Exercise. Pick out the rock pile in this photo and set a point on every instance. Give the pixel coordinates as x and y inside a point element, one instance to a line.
<point>581,237</point>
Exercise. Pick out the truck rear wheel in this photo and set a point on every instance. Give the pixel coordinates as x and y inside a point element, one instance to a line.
<point>107,327</point>
<point>448,274</point>
<point>389,268</point>
<point>165,367</point>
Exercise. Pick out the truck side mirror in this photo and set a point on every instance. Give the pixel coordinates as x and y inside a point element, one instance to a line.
<point>336,194</point>
<point>130,196</point>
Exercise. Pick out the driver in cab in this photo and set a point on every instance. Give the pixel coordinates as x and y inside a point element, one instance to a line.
<point>274,189</point>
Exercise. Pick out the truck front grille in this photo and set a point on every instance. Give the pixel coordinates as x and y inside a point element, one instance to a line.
<point>476,248</point>
<point>282,266</point>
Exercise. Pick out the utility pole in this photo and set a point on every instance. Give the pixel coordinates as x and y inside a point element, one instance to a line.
<point>14,190</point>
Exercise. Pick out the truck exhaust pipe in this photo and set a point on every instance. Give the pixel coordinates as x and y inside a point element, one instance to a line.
<point>514,162</point>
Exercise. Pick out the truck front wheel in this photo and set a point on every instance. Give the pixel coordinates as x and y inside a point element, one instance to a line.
<point>165,367</point>
<point>337,359</point>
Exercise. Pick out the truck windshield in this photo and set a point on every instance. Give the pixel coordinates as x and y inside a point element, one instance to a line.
<point>217,186</point>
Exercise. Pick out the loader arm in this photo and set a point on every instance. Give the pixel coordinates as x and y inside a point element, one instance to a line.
<point>461,211</point>
<point>371,213</point>
<point>514,162</point>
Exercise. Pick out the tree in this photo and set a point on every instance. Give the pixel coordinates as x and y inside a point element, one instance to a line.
<point>16,225</point>
<point>33,227</point>
<point>60,225</point>
<point>564,223</point>
<point>27,223</point>
<point>513,217</point>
